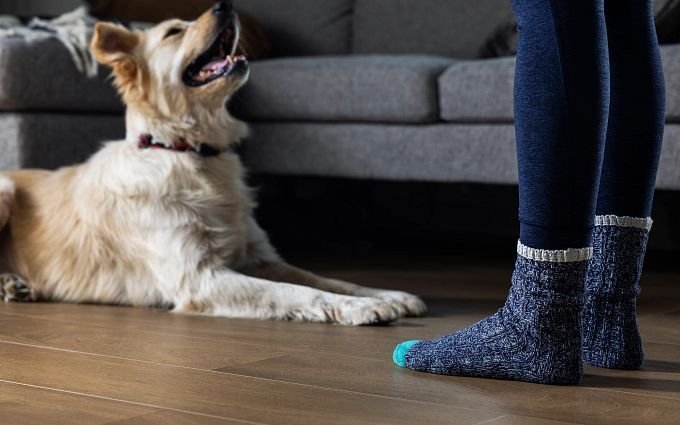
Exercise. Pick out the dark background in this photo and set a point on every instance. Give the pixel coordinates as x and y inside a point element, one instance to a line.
<point>326,216</point>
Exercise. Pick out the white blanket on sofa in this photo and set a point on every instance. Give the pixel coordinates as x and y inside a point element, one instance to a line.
<point>73,29</point>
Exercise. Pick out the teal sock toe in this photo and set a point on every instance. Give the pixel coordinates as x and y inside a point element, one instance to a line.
<point>399,355</point>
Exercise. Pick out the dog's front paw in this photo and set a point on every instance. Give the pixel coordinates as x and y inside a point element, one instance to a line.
<point>356,311</point>
<point>407,304</point>
<point>14,288</point>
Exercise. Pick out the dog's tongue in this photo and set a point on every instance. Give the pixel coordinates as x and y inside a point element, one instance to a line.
<point>216,65</point>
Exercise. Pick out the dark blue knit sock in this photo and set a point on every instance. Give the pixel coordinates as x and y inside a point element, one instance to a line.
<point>610,333</point>
<point>535,337</point>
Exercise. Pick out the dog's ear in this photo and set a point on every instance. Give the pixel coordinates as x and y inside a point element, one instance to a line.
<point>113,45</point>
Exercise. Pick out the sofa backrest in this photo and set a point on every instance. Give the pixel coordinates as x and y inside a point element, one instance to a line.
<point>303,27</point>
<point>454,28</point>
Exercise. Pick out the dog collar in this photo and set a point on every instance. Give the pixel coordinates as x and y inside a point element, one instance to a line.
<point>146,141</point>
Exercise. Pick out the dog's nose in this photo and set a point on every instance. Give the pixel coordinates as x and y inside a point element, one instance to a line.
<point>222,8</point>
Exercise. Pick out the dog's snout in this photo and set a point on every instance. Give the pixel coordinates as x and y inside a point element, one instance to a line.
<point>223,8</point>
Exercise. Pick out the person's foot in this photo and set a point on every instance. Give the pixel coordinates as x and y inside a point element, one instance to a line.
<point>611,337</point>
<point>535,337</point>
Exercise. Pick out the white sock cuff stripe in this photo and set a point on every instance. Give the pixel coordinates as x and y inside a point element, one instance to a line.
<point>554,256</point>
<point>614,220</point>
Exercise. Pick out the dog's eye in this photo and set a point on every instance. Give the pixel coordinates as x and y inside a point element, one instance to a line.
<point>171,32</point>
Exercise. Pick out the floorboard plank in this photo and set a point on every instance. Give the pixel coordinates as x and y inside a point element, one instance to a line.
<point>589,403</point>
<point>524,420</point>
<point>369,341</point>
<point>178,418</point>
<point>663,327</point>
<point>218,394</point>
<point>26,405</point>
<point>132,343</point>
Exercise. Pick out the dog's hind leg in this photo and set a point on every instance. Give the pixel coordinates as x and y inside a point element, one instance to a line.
<point>12,287</point>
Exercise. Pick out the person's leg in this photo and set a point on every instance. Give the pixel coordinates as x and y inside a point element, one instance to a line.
<point>634,135</point>
<point>561,107</point>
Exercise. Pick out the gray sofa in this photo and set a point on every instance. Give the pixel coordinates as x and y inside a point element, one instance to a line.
<point>377,89</point>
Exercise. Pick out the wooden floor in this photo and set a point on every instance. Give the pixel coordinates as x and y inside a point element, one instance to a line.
<point>68,364</point>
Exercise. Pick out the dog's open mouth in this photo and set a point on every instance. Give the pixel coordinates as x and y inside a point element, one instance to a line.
<point>218,61</point>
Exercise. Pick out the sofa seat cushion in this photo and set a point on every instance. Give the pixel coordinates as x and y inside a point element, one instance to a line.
<point>671,65</point>
<point>432,152</point>
<point>481,90</point>
<point>47,140</point>
<point>440,152</point>
<point>344,88</point>
<point>478,91</point>
<point>41,76</point>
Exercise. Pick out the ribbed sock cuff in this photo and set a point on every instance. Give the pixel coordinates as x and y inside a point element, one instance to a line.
<point>555,256</point>
<point>634,222</point>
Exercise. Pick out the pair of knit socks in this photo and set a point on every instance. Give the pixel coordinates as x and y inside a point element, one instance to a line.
<point>564,307</point>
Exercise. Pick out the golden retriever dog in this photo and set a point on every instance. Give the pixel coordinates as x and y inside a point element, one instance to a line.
<point>164,217</point>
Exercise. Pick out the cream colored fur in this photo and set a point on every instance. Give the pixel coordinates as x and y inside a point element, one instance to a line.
<point>154,227</point>
<point>6,199</point>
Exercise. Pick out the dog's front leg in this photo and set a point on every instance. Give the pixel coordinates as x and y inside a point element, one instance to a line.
<point>407,304</point>
<point>264,263</point>
<point>230,294</point>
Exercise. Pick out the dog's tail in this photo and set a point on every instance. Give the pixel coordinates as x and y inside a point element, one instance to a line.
<point>6,199</point>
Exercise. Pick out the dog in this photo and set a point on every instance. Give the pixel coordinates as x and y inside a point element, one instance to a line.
<point>164,217</point>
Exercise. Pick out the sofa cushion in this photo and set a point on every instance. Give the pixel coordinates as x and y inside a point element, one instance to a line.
<point>455,28</point>
<point>253,42</point>
<point>671,65</point>
<point>303,27</point>
<point>481,90</point>
<point>44,140</point>
<point>439,152</point>
<point>41,76</point>
<point>478,91</point>
<point>343,88</point>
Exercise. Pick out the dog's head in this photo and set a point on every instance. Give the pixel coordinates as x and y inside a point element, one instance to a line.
<point>175,68</point>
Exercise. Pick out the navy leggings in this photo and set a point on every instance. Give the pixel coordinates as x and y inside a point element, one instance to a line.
<point>589,116</point>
